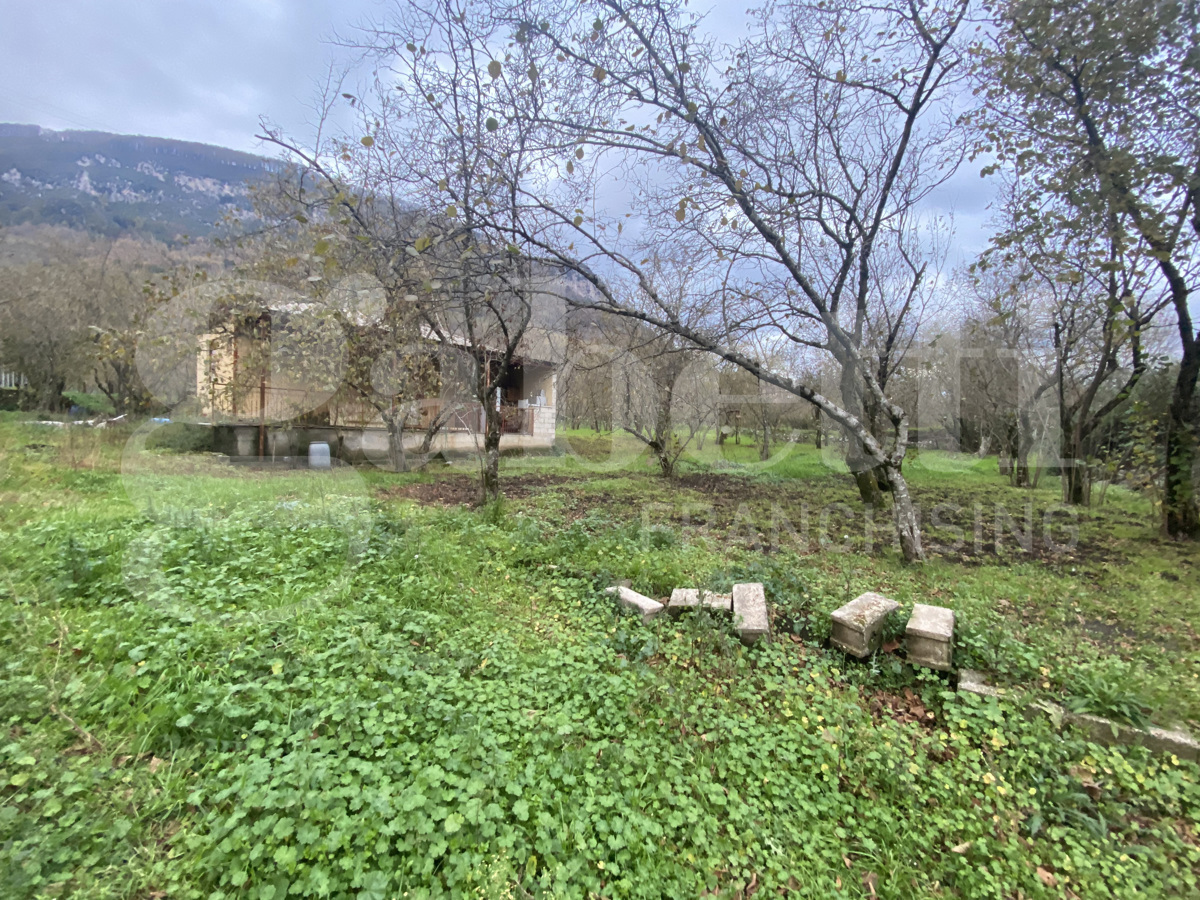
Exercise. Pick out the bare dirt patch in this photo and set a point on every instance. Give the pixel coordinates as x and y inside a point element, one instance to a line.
<point>461,490</point>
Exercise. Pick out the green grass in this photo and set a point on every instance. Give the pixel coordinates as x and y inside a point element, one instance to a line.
<point>221,682</point>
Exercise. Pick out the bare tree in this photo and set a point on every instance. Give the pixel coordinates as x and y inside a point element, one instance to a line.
<point>476,288</point>
<point>797,157</point>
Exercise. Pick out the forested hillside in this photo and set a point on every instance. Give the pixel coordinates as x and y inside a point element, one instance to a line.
<point>114,184</point>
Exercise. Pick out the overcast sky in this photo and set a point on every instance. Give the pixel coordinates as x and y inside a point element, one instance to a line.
<point>206,70</point>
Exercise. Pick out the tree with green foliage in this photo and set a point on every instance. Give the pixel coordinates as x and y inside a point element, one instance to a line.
<point>1076,304</point>
<point>1095,103</point>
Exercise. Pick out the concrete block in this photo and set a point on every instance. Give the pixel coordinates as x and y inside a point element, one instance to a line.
<point>1180,743</point>
<point>690,599</point>
<point>929,637</point>
<point>750,612</point>
<point>1156,740</point>
<point>642,605</point>
<point>858,626</point>
<point>1161,741</point>
<point>974,683</point>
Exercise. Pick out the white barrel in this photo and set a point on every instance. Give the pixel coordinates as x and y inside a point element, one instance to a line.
<point>318,455</point>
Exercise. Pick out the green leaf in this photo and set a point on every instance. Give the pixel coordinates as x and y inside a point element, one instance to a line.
<point>491,124</point>
<point>285,855</point>
<point>374,886</point>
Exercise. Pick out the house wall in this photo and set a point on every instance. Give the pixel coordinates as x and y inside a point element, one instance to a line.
<point>539,378</point>
<point>356,428</point>
<point>543,380</point>
<point>360,444</point>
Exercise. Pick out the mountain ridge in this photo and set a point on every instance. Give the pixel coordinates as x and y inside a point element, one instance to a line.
<point>118,184</point>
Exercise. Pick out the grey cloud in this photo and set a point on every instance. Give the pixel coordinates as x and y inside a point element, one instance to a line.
<point>193,71</point>
<point>206,71</point>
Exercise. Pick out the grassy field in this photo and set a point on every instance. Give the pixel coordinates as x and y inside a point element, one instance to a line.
<point>221,682</point>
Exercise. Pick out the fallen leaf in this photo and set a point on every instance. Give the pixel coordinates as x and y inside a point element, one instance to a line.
<point>869,880</point>
<point>155,763</point>
<point>1048,878</point>
<point>961,848</point>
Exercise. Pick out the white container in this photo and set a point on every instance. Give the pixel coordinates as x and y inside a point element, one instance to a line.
<point>318,455</point>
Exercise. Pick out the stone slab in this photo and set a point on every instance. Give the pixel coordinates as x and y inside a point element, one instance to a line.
<point>639,603</point>
<point>690,599</point>
<point>974,683</point>
<point>750,612</point>
<point>929,636</point>
<point>858,626</point>
<point>1099,730</point>
<point>1157,740</point>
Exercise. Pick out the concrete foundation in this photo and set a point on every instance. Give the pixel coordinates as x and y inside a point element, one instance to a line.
<point>690,599</point>
<point>929,637</point>
<point>858,626</point>
<point>631,599</point>
<point>750,612</point>
<point>356,445</point>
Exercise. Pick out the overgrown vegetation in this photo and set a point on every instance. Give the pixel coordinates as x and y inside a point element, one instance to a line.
<point>221,683</point>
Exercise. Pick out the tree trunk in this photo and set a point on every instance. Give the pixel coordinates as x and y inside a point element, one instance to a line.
<point>436,423</point>
<point>764,448</point>
<point>395,432</point>
<point>908,523</point>
<point>666,463</point>
<point>662,445</point>
<point>1077,486</point>
<point>491,447</point>
<point>1180,516</point>
<point>865,477</point>
<point>1019,471</point>
<point>1074,472</point>
<point>1019,476</point>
